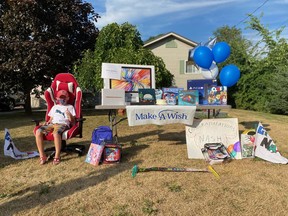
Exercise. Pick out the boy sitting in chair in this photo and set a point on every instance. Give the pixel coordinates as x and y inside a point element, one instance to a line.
<point>62,115</point>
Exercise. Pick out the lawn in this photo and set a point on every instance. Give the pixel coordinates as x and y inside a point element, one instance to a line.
<point>246,187</point>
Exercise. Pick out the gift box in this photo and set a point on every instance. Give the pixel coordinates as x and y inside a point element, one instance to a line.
<point>217,95</point>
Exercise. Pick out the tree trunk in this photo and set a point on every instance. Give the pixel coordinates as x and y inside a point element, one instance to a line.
<point>27,107</point>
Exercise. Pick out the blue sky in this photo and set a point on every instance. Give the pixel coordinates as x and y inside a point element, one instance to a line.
<point>193,19</point>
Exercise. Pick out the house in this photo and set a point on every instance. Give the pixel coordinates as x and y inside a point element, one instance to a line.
<point>174,50</point>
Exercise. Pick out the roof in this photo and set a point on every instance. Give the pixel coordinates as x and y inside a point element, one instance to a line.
<point>173,34</point>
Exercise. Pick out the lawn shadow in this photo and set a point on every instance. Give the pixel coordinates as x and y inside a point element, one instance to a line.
<point>179,137</point>
<point>31,197</point>
<point>16,120</point>
<point>253,125</point>
<point>134,137</point>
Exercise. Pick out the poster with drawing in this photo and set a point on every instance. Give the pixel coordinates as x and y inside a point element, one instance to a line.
<point>12,151</point>
<point>220,130</point>
<point>266,148</point>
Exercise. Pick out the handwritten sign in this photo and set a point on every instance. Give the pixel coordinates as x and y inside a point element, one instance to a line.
<point>213,131</point>
<point>111,71</point>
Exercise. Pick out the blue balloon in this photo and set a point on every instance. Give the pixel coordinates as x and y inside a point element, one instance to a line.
<point>229,75</point>
<point>221,52</point>
<point>203,57</point>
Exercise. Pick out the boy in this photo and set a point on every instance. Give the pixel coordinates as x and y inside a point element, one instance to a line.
<point>62,116</point>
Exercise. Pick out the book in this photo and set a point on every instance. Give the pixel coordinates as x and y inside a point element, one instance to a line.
<point>171,95</point>
<point>217,95</point>
<point>147,96</point>
<point>188,97</point>
<point>202,86</point>
<point>247,143</point>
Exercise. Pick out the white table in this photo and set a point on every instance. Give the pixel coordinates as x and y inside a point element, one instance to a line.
<point>112,114</point>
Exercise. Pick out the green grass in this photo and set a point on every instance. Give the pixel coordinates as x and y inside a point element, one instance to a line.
<point>246,187</point>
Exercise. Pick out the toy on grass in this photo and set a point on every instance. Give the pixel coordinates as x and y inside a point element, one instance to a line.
<point>136,169</point>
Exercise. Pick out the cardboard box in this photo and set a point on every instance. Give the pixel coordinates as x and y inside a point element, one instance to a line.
<point>131,98</point>
<point>113,96</point>
<point>94,154</point>
<point>202,86</point>
<point>217,95</point>
<point>171,95</point>
<point>188,97</point>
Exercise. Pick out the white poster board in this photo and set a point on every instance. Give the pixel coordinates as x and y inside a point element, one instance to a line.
<point>266,148</point>
<point>224,130</point>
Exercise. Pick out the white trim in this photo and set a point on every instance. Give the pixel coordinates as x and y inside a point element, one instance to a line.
<point>179,37</point>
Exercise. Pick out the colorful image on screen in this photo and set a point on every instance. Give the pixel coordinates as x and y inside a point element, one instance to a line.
<point>133,79</point>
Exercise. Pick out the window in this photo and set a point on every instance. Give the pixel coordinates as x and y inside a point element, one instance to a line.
<point>171,44</point>
<point>188,67</point>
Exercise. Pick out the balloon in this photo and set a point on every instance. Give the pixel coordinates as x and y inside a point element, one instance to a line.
<point>237,147</point>
<point>191,52</point>
<point>211,73</point>
<point>221,52</point>
<point>211,43</point>
<point>230,148</point>
<point>229,75</point>
<point>203,57</point>
<point>233,154</point>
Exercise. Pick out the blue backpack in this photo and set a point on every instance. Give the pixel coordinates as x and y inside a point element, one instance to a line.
<point>102,133</point>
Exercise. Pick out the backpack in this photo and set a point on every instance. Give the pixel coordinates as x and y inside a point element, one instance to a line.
<point>111,153</point>
<point>102,134</point>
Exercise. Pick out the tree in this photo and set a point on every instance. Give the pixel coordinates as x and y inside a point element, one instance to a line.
<point>239,56</point>
<point>39,39</point>
<point>271,69</point>
<point>263,68</point>
<point>118,44</point>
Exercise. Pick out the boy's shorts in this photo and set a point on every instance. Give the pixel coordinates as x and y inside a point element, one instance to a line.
<point>56,128</point>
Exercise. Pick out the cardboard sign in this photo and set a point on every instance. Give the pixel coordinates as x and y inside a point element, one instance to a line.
<point>11,150</point>
<point>266,148</point>
<point>213,131</point>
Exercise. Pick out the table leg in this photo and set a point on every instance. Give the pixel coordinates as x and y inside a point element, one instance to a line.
<point>113,123</point>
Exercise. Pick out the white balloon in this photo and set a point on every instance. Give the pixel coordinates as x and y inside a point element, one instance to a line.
<point>212,73</point>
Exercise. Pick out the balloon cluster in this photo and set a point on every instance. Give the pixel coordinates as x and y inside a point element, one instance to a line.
<point>207,56</point>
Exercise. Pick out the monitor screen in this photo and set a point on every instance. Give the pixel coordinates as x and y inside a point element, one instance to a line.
<point>133,77</point>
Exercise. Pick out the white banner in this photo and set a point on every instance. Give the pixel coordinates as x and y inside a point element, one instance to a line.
<point>11,150</point>
<point>213,131</point>
<point>160,115</point>
<point>266,148</point>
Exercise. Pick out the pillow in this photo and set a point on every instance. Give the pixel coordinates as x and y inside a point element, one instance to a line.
<point>64,86</point>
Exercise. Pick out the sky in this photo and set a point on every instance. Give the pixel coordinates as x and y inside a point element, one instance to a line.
<point>193,19</point>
